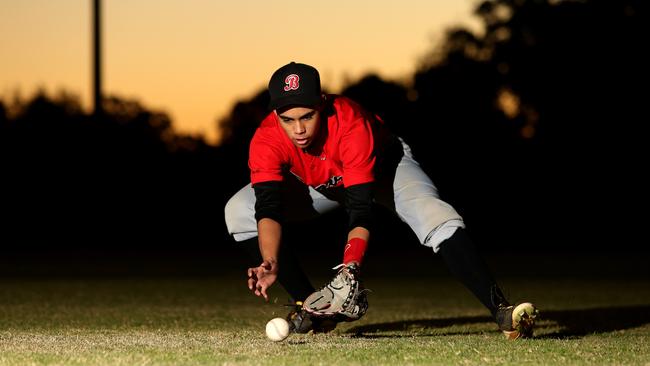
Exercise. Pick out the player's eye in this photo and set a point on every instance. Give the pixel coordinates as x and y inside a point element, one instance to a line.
<point>308,117</point>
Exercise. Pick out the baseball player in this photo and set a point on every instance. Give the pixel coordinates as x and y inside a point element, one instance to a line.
<point>314,152</point>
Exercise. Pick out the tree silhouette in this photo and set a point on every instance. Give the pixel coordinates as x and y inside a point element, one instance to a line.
<point>238,129</point>
<point>389,100</point>
<point>575,67</point>
<point>530,128</point>
<point>3,116</point>
<point>127,175</point>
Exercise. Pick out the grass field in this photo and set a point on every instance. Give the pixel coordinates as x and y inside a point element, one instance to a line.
<point>209,320</point>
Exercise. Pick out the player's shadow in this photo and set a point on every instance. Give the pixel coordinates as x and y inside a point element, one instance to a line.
<point>581,322</point>
<point>571,323</point>
<point>407,328</point>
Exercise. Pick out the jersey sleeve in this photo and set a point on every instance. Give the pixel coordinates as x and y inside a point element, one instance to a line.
<point>357,152</point>
<point>266,159</point>
<point>268,201</point>
<point>358,205</point>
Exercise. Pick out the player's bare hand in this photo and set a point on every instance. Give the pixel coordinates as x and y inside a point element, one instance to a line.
<point>262,277</point>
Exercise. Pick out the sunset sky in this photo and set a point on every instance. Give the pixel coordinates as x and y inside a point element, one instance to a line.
<point>194,58</point>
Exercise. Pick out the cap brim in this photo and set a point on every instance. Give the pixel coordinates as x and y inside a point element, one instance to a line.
<point>296,100</point>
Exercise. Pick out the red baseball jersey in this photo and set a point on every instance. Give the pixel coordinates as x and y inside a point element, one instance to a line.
<point>343,153</point>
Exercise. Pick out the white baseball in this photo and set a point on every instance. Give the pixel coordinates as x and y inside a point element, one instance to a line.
<point>277,329</point>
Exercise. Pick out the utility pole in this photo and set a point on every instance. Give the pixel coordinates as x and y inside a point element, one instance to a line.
<point>97,59</point>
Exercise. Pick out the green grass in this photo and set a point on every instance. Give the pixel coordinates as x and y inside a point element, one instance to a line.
<point>196,321</point>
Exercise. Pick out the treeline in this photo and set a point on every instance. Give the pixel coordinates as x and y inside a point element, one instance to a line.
<point>123,178</point>
<point>532,129</point>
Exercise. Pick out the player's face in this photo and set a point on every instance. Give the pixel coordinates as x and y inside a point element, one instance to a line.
<point>300,124</point>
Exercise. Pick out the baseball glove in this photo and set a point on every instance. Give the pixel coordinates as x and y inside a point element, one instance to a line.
<point>343,298</point>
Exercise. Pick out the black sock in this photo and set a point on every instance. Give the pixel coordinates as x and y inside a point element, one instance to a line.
<point>467,265</point>
<point>291,276</point>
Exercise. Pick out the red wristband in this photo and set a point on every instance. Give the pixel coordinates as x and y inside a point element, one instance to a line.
<point>354,250</point>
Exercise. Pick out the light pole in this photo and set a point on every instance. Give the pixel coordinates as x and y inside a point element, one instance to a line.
<point>97,64</point>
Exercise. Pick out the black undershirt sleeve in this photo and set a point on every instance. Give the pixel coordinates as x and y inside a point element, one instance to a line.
<point>358,204</point>
<point>268,200</point>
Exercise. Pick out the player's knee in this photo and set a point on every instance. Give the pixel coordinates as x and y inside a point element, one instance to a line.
<point>234,213</point>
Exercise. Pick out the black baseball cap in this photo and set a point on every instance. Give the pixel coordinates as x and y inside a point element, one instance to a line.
<point>294,84</point>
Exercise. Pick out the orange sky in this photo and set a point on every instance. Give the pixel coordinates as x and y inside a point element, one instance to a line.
<point>194,58</point>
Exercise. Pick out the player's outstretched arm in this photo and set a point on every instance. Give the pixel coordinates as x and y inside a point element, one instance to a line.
<point>262,277</point>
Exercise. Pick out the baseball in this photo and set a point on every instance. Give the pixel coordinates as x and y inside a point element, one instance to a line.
<point>277,329</point>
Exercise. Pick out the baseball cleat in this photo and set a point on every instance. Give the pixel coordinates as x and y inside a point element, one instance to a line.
<point>517,321</point>
<point>302,322</point>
